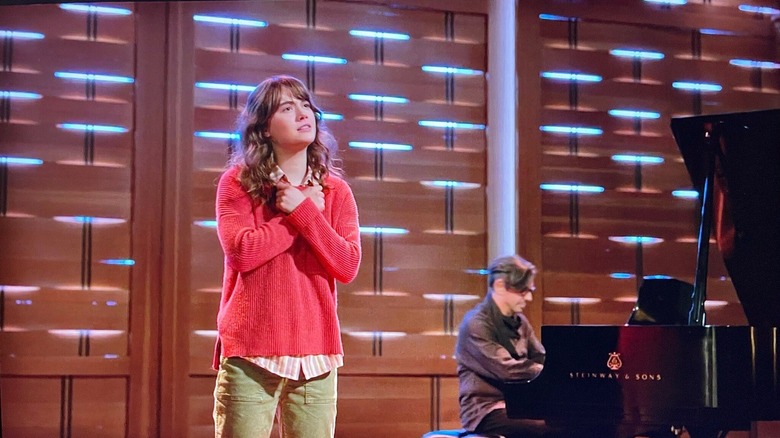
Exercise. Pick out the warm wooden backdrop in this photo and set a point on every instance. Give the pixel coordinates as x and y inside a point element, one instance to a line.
<point>109,265</point>
<point>588,276</point>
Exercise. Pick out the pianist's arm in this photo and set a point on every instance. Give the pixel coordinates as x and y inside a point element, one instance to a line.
<point>479,350</point>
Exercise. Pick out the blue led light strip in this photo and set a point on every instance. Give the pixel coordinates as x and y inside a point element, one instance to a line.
<point>219,135</point>
<point>450,184</point>
<point>21,161</point>
<point>94,77</point>
<point>552,17</point>
<point>637,159</point>
<point>118,262</point>
<point>226,87</point>
<point>5,94</point>
<point>716,32</point>
<point>90,127</point>
<point>685,193</point>
<point>634,114</point>
<point>382,35</point>
<point>571,188</point>
<point>579,130</point>
<point>570,76</point>
<point>95,9</point>
<point>697,86</point>
<point>637,54</point>
<point>759,9</point>
<point>645,240</point>
<point>383,146</point>
<point>20,34</point>
<point>449,124</point>
<point>376,98</point>
<point>747,63</point>
<point>451,70</point>
<point>229,21</point>
<point>89,220</point>
<point>383,230</point>
<point>313,58</point>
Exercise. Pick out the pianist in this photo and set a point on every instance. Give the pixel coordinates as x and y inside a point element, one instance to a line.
<point>496,343</point>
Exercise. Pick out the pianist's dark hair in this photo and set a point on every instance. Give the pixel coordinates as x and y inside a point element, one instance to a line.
<point>516,271</point>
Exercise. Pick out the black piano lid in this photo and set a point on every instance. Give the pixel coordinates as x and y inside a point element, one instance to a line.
<point>749,167</point>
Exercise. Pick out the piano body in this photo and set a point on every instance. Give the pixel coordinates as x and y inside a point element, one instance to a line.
<point>666,369</point>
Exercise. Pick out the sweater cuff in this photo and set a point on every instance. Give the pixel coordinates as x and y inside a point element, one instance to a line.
<point>303,214</point>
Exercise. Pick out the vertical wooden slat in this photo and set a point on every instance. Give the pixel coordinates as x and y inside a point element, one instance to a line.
<point>176,222</point>
<point>149,157</point>
<point>530,154</point>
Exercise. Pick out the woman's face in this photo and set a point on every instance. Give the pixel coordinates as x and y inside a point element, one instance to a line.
<point>292,126</point>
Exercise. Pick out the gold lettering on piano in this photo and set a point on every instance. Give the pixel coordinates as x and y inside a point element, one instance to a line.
<point>647,376</point>
<point>638,377</point>
<point>614,363</point>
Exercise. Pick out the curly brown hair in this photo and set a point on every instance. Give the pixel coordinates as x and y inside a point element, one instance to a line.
<point>255,154</point>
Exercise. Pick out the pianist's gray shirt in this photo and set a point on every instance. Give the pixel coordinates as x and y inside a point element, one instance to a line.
<point>483,363</point>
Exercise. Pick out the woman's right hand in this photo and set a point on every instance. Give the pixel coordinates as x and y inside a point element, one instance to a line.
<point>288,198</point>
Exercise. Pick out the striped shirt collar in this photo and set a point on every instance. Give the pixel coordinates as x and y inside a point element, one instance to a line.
<point>278,175</point>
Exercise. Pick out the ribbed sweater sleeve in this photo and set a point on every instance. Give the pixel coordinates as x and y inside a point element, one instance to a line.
<point>337,247</point>
<point>247,245</point>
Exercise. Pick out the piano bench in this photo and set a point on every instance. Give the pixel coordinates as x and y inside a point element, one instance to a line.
<point>456,434</point>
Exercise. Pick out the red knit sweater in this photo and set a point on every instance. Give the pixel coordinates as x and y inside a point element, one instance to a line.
<point>279,285</point>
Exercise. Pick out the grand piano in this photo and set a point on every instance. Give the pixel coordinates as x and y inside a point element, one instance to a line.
<point>666,370</point>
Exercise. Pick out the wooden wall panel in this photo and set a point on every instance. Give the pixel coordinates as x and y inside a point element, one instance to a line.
<point>587,276</point>
<point>35,410</point>
<point>201,406</point>
<point>364,402</point>
<point>150,188</point>
<point>99,407</point>
<point>402,311</point>
<point>66,193</point>
<point>694,43</point>
<point>64,406</point>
